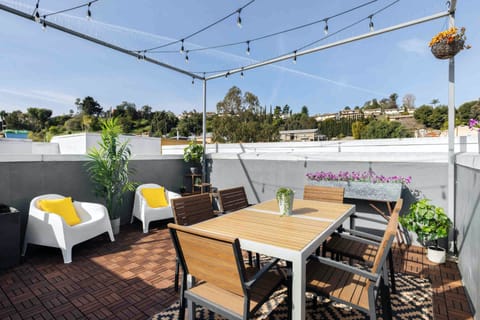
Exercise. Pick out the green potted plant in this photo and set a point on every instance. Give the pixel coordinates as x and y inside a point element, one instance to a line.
<point>430,223</point>
<point>285,200</point>
<point>108,169</point>
<point>193,154</point>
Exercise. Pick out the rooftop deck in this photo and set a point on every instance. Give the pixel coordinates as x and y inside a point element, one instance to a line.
<point>132,278</point>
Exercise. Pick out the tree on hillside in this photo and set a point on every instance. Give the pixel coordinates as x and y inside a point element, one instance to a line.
<point>38,118</point>
<point>88,106</point>
<point>434,102</point>
<point>380,129</point>
<point>438,117</point>
<point>163,122</point>
<point>409,100</point>
<point>464,112</point>
<point>17,120</point>
<point>190,123</point>
<point>231,103</point>
<point>422,114</point>
<point>393,100</point>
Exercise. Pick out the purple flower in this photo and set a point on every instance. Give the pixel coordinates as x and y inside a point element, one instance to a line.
<point>370,176</point>
<point>474,123</point>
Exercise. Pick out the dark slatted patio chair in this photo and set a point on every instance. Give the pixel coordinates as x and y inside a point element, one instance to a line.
<point>222,282</point>
<point>361,246</point>
<point>233,199</point>
<point>353,286</point>
<point>190,210</point>
<point>321,193</point>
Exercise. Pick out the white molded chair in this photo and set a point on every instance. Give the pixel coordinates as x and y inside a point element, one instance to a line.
<point>51,230</point>
<point>147,214</point>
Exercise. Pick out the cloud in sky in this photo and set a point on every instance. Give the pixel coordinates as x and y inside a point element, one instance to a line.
<point>413,45</point>
<point>42,95</point>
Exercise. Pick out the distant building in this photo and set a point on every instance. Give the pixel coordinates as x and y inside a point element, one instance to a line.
<point>301,135</point>
<point>325,116</point>
<point>350,114</point>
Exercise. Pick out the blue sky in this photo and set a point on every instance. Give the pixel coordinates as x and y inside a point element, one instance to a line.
<point>50,69</point>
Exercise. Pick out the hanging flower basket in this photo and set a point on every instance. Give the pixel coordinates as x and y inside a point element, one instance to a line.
<point>445,50</point>
<point>448,43</point>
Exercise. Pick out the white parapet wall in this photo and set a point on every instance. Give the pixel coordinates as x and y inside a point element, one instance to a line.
<point>15,146</point>
<point>81,143</point>
<point>404,145</point>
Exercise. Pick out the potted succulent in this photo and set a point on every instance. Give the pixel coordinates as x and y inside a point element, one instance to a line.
<point>109,171</point>
<point>193,154</point>
<point>285,200</point>
<point>430,223</point>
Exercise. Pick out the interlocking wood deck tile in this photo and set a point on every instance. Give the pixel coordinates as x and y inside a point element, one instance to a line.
<point>132,278</point>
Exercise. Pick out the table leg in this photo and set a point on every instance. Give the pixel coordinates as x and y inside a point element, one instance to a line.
<point>299,269</point>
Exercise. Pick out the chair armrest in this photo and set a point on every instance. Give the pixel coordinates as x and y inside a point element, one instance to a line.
<point>357,239</point>
<point>249,284</point>
<point>346,267</point>
<point>172,195</point>
<point>354,216</point>
<point>361,234</point>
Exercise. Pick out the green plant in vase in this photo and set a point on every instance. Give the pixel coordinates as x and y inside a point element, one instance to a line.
<point>193,154</point>
<point>430,223</point>
<point>285,198</point>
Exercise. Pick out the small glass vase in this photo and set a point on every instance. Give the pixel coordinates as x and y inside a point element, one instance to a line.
<point>286,205</point>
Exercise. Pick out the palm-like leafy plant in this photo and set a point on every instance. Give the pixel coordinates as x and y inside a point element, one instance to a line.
<point>108,167</point>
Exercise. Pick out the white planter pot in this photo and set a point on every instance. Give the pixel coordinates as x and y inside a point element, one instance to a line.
<point>115,225</point>
<point>436,255</point>
<point>286,205</point>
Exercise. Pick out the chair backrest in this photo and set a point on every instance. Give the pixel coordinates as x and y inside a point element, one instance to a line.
<point>390,232</point>
<point>209,257</point>
<point>232,199</point>
<point>192,209</point>
<point>322,193</point>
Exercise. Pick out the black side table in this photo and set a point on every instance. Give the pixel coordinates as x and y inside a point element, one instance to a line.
<point>10,238</point>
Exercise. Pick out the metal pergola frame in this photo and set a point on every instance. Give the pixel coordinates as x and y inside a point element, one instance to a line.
<point>451,74</point>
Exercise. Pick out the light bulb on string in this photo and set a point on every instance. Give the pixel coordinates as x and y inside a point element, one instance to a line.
<point>239,19</point>
<point>227,74</point>
<point>371,24</point>
<point>193,80</point>
<point>295,57</point>
<point>36,14</point>
<point>186,56</point>
<point>248,48</point>
<point>325,29</point>
<point>241,74</point>
<point>44,23</point>
<point>89,12</point>
<point>182,48</point>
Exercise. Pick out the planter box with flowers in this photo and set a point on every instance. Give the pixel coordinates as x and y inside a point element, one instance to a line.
<point>364,186</point>
<point>448,43</point>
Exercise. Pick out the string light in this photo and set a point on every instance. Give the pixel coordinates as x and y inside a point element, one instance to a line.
<point>323,20</point>
<point>36,13</point>
<point>248,48</point>
<point>44,23</point>
<point>371,23</point>
<point>325,29</point>
<point>295,57</point>
<point>193,80</point>
<point>182,48</point>
<point>89,12</point>
<point>241,74</point>
<point>239,19</point>
<point>186,56</point>
<point>227,74</point>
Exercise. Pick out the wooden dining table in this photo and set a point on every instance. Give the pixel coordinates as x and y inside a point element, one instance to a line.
<point>261,228</point>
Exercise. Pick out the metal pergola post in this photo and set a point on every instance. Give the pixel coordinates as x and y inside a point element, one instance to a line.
<point>451,131</point>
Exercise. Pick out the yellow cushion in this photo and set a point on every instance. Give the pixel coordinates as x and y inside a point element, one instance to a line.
<point>155,197</point>
<point>63,207</point>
